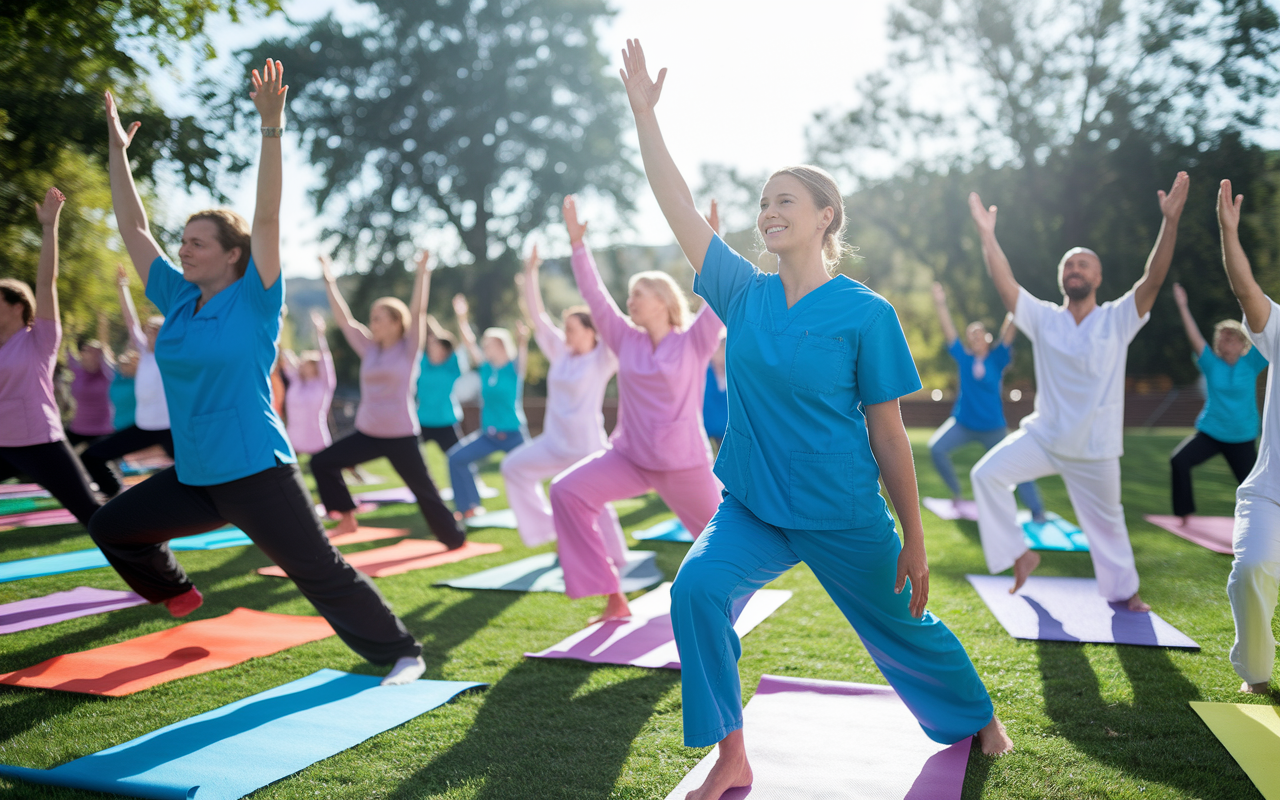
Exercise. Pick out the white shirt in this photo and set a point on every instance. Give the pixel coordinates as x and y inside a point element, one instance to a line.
<point>1079,374</point>
<point>152,412</point>
<point>1264,480</point>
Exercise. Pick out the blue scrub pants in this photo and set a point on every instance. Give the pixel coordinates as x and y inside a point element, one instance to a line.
<point>921,658</point>
<point>952,434</point>
<point>471,449</point>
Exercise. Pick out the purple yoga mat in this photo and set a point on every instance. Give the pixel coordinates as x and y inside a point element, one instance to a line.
<point>1212,533</point>
<point>22,489</point>
<point>81,601</point>
<point>646,639</point>
<point>38,519</point>
<point>1071,610</point>
<point>834,740</point>
<point>951,509</point>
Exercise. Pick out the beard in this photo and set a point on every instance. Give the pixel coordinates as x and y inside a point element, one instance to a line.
<point>1077,291</point>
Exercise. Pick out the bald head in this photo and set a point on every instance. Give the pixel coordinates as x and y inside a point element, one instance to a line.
<point>1079,273</point>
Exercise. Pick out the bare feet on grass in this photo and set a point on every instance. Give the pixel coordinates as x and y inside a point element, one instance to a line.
<point>346,524</point>
<point>993,739</point>
<point>1255,688</point>
<point>1023,567</point>
<point>730,771</point>
<point>615,609</point>
<point>1135,603</point>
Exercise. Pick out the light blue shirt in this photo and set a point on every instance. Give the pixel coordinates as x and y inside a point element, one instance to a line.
<point>796,452</point>
<point>1230,412</point>
<point>124,401</point>
<point>500,391</point>
<point>979,406</point>
<point>436,406</point>
<point>216,366</point>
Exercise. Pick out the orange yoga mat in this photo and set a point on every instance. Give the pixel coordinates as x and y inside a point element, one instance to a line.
<point>156,658</point>
<point>363,534</point>
<point>408,555</point>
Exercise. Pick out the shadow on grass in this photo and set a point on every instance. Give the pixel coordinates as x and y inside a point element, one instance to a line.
<point>539,734</point>
<point>1147,738</point>
<point>39,707</point>
<point>455,625</point>
<point>650,506</point>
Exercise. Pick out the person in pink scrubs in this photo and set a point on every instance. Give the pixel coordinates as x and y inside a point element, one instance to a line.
<point>573,426</point>
<point>92,370</point>
<point>659,443</point>
<point>32,441</point>
<point>312,382</point>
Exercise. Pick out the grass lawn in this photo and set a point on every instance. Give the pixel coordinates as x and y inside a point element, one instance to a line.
<point>1089,721</point>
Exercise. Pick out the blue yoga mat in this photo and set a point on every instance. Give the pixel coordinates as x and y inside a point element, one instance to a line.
<point>1055,533</point>
<point>671,530</point>
<point>231,751</point>
<point>92,559</point>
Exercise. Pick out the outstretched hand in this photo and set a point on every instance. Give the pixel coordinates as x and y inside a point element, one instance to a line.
<point>326,268</point>
<point>1171,203</point>
<point>983,217</point>
<point>713,218</point>
<point>460,306</point>
<point>1179,295</point>
<point>642,91</point>
<point>522,331</point>
<point>424,261</point>
<point>122,275</point>
<point>269,93</point>
<point>116,133</point>
<point>913,564</point>
<point>939,293</point>
<point>1228,207</point>
<point>317,321</point>
<point>531,261</point>
<point>48,211</point>
<point>576,229</point>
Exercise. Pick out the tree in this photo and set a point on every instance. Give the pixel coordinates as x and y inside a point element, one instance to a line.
<point>473,116</point>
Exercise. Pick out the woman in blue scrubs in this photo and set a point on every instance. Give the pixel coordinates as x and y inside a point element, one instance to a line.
<point>233,460</point>
<point>816,365</point>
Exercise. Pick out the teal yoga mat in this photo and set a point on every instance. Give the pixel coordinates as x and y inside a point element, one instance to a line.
<point>542,573</point>
<point>671,530</point>
<point>231,751</point>
<point>1055,533</point>
<point>92,559</point>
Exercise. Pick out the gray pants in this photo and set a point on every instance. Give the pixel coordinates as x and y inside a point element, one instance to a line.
<point>952,435</point>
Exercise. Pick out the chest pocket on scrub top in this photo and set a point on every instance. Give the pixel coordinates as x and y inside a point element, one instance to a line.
<point>818,363</point>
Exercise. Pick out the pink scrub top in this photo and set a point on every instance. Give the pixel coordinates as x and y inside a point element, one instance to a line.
<point>26,386</point>
<point>387,376</point>
<point>306,405</point>
<point>92,392</point>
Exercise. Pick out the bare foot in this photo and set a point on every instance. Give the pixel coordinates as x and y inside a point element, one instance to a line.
<point>615,609</point>
<point>1136,604</point>
<point>993,739</point>
<point>1183,520</point>
<point>1255,688</point>
<point>1023,567</point>
<point>731,770</point>
<point>346,524</point>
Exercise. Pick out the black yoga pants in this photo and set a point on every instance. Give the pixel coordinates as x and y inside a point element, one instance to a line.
<point>54,466</point>
<point>1197,449</point>
<point>101,456</point>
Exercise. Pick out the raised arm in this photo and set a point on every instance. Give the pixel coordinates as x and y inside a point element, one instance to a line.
<point>131,217</point>
<point>1148,286</point>
<point>1188,322</point>
<point>128,312</point>
<point>892,450</point>
<point>327,372</point>
<point>269,94</point>
<point>609,320</point>
<point>356,334</point>
<point>522,349</point>
<point>463,312</point>
<point>548,335</point>
<point>997,263</point>
<point>668,185</point>
<point>104,339</point>
<point>944,314</point>
<point>1256,304</point>
<point>434,328</point>
<point>47,214</point>
<point>417,332</point>
<point>1008,331</point>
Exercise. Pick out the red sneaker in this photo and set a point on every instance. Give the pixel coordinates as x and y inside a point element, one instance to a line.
<point>185,603</point>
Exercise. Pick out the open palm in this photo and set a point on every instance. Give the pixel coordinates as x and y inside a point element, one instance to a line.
<point>576,229</point>
<point>983,217</point>
<point>120,137</point>
<point>642,91</point>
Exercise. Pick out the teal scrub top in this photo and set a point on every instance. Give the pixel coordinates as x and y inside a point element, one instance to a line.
<point>1230,412</point>
<point>796,451</point>
<point>500,391</point>
<point>124,401</point>
<point>216,367</point>
<point>436,406</point>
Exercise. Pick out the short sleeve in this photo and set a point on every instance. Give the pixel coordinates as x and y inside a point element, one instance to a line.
<point>724,278</point>
<point>165,284</point>
<point>999,357</point>
<point>1207,360</point>
<point>957,351</point>
<point>1268,341</point>
<point>268,303</point>
<point>1256,360</point>
<point>1030,313</point>
<point>885,368</point>
<point>455,370</point>
<point>47,334</point>
<point>1125,315</point>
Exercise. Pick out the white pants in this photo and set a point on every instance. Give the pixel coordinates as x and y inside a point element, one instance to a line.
<point>524,469</point>
<point>1094,489</point>
<point>1255,576</point>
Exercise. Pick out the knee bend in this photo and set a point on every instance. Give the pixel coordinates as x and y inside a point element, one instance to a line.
<point>700,589</point>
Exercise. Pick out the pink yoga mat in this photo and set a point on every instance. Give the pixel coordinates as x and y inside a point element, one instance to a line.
<point>951,509</point>
<point>808,738</point>
<point>37,519</point>
<point>78,602</point>
<point>23,490</point>
<point>646,639</point>
<point>1213,533</point>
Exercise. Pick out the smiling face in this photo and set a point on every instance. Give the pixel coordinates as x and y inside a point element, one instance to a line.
<point>204,260</point>
<point>790,221</point>
<point>1229,345</point>
<point>1079,274</point>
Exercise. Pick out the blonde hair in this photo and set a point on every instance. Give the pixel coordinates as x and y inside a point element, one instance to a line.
<point>1234,327</point>
<point>396,308</point>
<point>233,232</point>
<point>826,194</point>
<point>504,336</point>
<point>663,285</point>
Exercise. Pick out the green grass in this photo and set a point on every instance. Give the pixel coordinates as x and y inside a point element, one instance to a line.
<point>1090,721</point>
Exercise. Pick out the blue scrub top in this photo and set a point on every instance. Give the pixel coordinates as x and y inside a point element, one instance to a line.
<point>715,406</point>
<point>124,401</point>
<point>500,390</point>
<point>216,367</point>
<point>1230,412</point>
<point>978,406</point>
<point>796,452</point>
<point>436,406</point>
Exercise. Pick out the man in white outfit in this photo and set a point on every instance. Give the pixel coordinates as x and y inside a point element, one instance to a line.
<point>1077,428</point>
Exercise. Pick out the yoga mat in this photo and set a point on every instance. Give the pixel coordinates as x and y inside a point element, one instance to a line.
<point>361,508</point>
<point>406,556</point>
<point>542,573</point>
<point>503,518</point>
<point>10,489</point>
<point>671,530</point>
<point>21,504</point>
<point>809,738</point>
<point>81,601</point>
<point>93,558</point>
<point>1213,533</point>
<point>229,752</point>
<point>188,649</point>
<point>38,519</point>
<point>363,534</point>
<point>1055,533</point>
<point>946,508</point>
<point>646,640</point>
<point>1071,610</point>
<point>401,494</point>
<point>1251,734</point>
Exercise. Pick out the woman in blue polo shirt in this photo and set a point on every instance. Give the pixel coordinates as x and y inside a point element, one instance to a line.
<point>234,463</point>
<point>816,365</point>
<point>978,414</point>
<point>1228,423</point>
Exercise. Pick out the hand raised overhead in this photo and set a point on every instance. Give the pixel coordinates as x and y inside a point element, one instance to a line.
<point>576,229</point>
<point>713,217</point>
<point>424,261</point>
<point>460,306</point>
<point>1179,295</point>
<point>48,211</point>
<point>642,91</point>
<point>1171,203</point>
<point>269,93</point>
<point>1228,207</point>
<point>317,321</point>
<point>531,261</point>
<point>326,268</point>
<point>116,133</point>
<point>983,217</point>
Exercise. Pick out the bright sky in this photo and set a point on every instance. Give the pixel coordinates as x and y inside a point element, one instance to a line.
<point>744,79</point>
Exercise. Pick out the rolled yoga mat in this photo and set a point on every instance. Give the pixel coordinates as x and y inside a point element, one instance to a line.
<point>670,530</point>
<point>1071,610</point>
<point>93,558</point>
<point>646,640</point>
<point>81,601</point>
<point>809,738</point>
<point>1212,533</point>
<point>1251,734</point>
<point>406,556</point>
<point>229,752</point>
<point>542,573</point>
<point>188,649</point>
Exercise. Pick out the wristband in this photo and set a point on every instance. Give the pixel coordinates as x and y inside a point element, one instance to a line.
<point>273,133</point>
